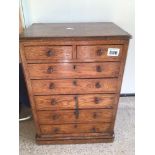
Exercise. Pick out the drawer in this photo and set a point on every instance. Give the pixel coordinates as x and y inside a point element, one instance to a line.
<point>98,53</point>
<point>48,53</point>
<point>61,102</point>
<point>68,116</point>
<point>75,86</point>
<point>75,128</point>
<point>73,70</point>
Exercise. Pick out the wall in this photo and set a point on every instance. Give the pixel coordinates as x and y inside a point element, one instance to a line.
<point>120,12</point>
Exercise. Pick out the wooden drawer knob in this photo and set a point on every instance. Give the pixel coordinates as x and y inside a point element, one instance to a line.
<point>75,126</point>
<point>55,117</point>
<point>75,83</point>
<point>53,102</point>
<point>51,86</point>
<point>56,130</point>
<point>98,68</point>
<point>98,85</point>
<point>97,100</point>
<point>49,53</point>
<point>93,129</point>
<point>74,67</point>
<point>94,115</point>
<point>50,69</point>
<point>99,52</point>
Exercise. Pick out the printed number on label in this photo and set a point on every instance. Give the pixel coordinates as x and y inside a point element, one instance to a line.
<point>113,51</point>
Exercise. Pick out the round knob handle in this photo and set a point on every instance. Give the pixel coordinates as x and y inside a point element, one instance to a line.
<point>75,126</point>
<point>75,83</point>
<point>94,115</point>
<point>53,101</point>
<point>54,117</point>
<point>56,130</point>
<point>93,129</point>
<point>49,53</point>
<point>50,69</point>
<point>97,100</point>
<point>98,85</point>
<point>99,52</point>
<point>98,68</point>
<point>74,67</point>
<point>51,86</point>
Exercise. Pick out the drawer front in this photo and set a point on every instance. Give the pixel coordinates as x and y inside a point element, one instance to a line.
<point>77,86</point>
<point>48,52</point>
<point>98,53</point>
<point>68,116</point>
<point>75,128</point>
<point>74,70</point>
<point>61,102</point>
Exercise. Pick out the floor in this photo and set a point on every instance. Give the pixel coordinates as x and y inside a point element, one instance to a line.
<point>124,143</point>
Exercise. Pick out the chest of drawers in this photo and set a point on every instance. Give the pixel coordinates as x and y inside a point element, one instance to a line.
<point>74,73</point>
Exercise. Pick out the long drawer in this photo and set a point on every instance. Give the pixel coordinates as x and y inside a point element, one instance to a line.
<point>48,52</point>
<point>74,86</point>
<point>69,116</point>
<point>99,52</point>
<point>75,128</point>
<point>61,102</point>
<point>73,70</point>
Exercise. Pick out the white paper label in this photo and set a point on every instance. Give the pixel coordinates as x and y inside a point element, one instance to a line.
<point>113,52</point>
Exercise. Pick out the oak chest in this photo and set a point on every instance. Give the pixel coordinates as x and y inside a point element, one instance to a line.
<point>74,73</point>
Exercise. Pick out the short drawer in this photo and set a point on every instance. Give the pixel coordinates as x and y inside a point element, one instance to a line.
<point>74,86</point>
<point>61,102</point>
<point>75,128</point>
<point>48,52</point>
<point>73,70</point>
<point>69,116</point>
<point>99,53</point>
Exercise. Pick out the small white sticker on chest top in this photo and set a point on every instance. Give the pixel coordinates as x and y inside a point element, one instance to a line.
<point>113,52</point>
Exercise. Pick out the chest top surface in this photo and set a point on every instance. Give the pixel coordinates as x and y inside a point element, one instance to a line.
<point>71,30</point>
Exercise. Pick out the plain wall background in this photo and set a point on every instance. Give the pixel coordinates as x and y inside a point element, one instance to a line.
<point>121,12</point>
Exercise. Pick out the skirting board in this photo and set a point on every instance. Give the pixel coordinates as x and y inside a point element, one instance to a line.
<point>127,95</point>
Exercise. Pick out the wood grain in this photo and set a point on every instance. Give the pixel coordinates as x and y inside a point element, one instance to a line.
<point>76,135</point>
<point>74,86</point>
<point>68,116</point>
<point>62,102</point>
<point>88,53</point>
<point>48,52</point>
<point>122,67</point>
<point>75,128</point>
<point>75,138</point>
<point>29,87</point>
<point>73,70</point>
<point>57,30</point>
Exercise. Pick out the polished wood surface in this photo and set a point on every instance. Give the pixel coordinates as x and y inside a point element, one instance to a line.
<point>68,116</point>
<point>100,29</point>
<point>75,128</point>
<point>97,53</point>
<point>73,70</point>
<point>48,52</point>
<point>75,138</point>
<point>62,102</point>
<point>73,84</point>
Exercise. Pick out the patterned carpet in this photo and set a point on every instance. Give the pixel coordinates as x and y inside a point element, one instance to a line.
<point>124,143</point>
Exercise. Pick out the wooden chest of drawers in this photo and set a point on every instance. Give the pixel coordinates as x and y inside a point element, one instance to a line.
<point>74,74</point>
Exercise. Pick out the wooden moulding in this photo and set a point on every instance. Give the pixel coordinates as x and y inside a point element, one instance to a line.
<point>75,140</point>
